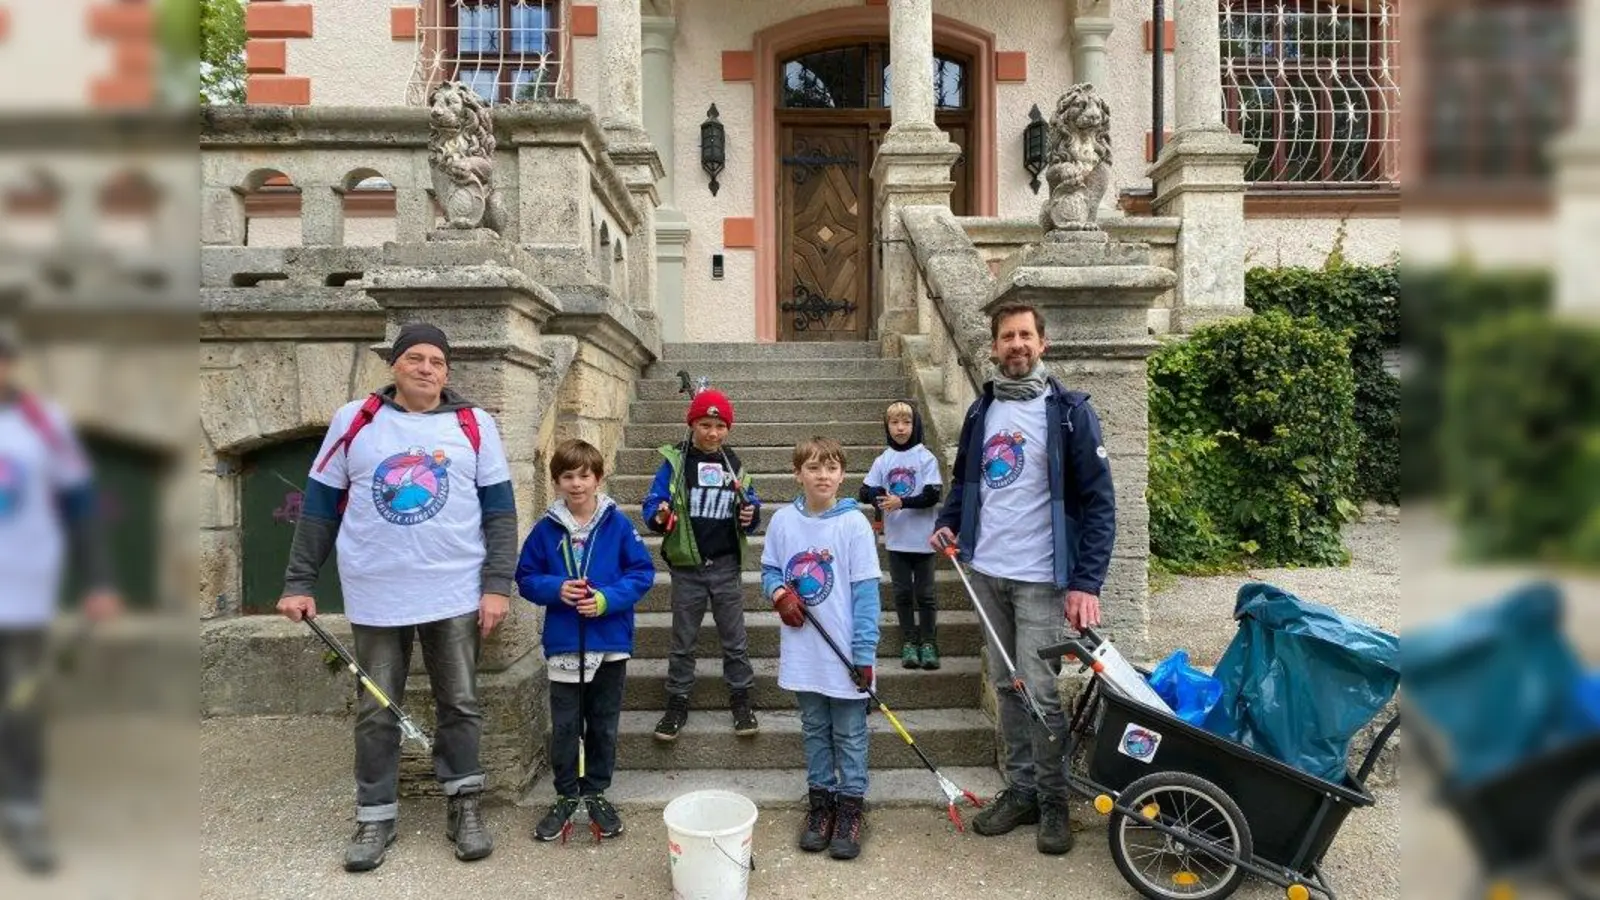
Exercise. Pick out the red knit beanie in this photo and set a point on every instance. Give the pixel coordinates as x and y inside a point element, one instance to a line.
<point>711,403</point>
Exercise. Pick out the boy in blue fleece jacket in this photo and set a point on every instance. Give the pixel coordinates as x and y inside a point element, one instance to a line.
<point>584,562</point>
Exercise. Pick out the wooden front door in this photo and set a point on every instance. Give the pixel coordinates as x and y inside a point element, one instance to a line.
<point>825,233</point>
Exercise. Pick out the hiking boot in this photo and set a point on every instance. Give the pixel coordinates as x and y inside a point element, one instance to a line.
<point>850,818</point>
<point>744,717</point>
<point>819,822</point>
<point>465,826</point>
<point>1003,814</point>
<point>1055,828</point>
<point>930,655</point>
<point>556,819</point>
<point>603,816</point>
<point>367,845</point>
<point>31,844</point>
<point>672,721</point>
<point>910,656</point>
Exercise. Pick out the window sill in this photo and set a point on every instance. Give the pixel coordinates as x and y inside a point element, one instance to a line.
<point>1282,203</point>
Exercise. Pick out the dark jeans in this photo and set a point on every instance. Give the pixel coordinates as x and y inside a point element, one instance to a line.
<point>22,653</point>
<point>450,653</point>
<point>715,585</point>
<point>912,577</point>
<point>601,712</point>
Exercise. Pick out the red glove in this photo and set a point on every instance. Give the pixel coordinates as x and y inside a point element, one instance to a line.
<point>863,677</point>
<point>787,604</point>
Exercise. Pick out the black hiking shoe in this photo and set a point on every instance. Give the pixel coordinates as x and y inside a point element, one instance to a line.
<point>1055,828</point>
<point>849,820</point>
<point>464,826</point>
<point>603,816</point>
<point>672,721</point>
<point>819,822</point>
<point>556,820</point>
<point>1008,810</point>
<point>744,717</point>
<point>367,845</point>
<point>30,842</point>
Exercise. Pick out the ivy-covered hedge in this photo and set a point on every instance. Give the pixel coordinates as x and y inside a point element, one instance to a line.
<point>1253,445</point>
<point>1363,302</point>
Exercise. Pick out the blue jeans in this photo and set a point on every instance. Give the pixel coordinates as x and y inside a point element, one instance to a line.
<point>835,736</point>
<point>1027,618</point>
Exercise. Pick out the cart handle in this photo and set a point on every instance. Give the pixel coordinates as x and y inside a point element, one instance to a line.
<point>1378,744</point>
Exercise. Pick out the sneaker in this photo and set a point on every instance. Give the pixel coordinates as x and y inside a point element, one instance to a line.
<point>1055,828</point>
<point>849,821</point>
<point>930,655</point>
<point>819,822</point>
<point>672,721</point>
<point>603,816</point>
<point>367,845</point>
<point>31,844</point>
<point>1008,810</point>
<point>910,658</point>
<point>744,717</point>
<point>556,820</point>
<point>465,827</point>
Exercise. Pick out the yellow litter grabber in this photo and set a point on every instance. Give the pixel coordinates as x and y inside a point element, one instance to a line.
<point>408,726</point>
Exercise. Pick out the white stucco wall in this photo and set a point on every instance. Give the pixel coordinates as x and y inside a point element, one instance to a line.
<point>351,59</point>
<point>1508,241</point>
<point>48,60</point>
<point>1307,242</point>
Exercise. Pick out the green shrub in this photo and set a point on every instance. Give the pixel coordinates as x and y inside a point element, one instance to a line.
<point>1522,440</point>
<point>1253,453</point>
<point>1363,302</point>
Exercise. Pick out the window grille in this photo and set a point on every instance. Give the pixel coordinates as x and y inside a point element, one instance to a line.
<point>506,50</point>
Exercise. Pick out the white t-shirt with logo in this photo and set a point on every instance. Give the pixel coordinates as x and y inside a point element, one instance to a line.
<point>904,473</point>
<point>1015,539</point>
<point>411,545</point>
<point>32,535</point>
<point>820,559</point>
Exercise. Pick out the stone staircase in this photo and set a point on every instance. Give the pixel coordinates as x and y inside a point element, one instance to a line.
<point>782,393</point>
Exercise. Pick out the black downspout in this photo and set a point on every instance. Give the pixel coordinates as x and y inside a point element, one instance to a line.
<point>1158,75</point>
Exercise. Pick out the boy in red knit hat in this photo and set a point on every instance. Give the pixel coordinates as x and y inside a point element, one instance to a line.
<point>704,503</point>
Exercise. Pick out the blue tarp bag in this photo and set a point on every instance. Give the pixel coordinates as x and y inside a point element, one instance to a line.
<point>1190,692</point>
<point>1589,701</point>
<point>1299,680</point>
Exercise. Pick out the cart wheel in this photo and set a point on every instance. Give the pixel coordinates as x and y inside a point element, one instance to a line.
<point>1163,866</point>
<point>1575,842</point>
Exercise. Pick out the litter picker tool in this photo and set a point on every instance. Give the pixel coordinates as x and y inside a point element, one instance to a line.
<point>25,690</point>
<point>949,549</point>
<point>581,573</point>
<point>408,727</point>
<point>952,794</point>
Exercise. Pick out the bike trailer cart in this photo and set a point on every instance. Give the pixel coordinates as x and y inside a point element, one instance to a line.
<point>1190,813</point>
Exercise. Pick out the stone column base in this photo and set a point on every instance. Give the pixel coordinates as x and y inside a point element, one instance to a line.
<point>912,168</point>
<point>1200,179</point>
<point>1577,222</point>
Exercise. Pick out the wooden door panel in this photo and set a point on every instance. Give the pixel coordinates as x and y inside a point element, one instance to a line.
<point>824,234</point>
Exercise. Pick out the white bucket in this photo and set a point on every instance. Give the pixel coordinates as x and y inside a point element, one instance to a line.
<point>709,834</point>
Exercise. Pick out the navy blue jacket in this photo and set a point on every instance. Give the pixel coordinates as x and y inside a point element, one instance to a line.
<point>1083,506</point>
<point>620,567</point>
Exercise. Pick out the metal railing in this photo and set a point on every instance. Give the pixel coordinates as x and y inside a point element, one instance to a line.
<point>506,50</point>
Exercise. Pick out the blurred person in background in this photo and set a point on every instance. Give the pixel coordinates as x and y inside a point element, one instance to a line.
<point>48,508</point>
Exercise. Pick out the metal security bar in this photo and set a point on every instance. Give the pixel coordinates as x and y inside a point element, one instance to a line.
<point>1315,87</point>
<point>506,50</point>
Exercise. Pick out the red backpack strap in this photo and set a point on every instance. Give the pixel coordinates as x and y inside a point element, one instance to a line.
<point>33,411</point>
<point>469,424</point>
<point>363,419</point>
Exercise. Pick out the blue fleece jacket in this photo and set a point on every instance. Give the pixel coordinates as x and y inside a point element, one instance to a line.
<point>865,604</point>
<point>619,567</point>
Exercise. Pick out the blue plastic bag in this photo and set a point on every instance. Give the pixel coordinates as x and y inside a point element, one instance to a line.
<point>1190,692</point>
<point>1589,701</point>
<point>1299,680</point>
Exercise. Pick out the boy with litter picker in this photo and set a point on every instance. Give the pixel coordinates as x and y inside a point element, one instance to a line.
<point>820,569</point>
<point>584,562</point>
<point>703,502</point>
<point>903,484</point>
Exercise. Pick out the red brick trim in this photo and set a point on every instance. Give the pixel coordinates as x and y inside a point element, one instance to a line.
<point>738,65</point>
<point>738,232</point>
<point>1011,65</point>
<point>121,21</point>
<point>266,57</point>
<point>121,91</point>
<point>1150,144</point>
<point>278,90</point>
<point>278,20</point>
<point>1169,36</point>
<point>5,23</point>
<point>403,22</point>
<point>134,58</point>
<point>585,21</point>
<point>877,2</point>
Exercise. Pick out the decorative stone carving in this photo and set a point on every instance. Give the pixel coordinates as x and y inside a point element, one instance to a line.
<point>1077,162</point>
<point>461,158</point>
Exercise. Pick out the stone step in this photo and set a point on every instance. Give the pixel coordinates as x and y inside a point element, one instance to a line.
<point>763,368</point>
<point>786,350</point>
<point>816,415</point>
<point>887,788</point>
<point>960,634</point>
<point>950,737</point>
<point>948,592</point>
<point>779,387</point>
<point>646,460</point>
<point>956,684</point>
<point>749,432</point>
<point>771,487</point>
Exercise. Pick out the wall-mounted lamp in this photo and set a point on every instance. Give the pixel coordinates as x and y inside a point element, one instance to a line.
<point>1033,139</point>
<point>713,146</point>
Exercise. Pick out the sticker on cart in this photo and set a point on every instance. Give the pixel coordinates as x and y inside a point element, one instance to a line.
<point>1139,743</point>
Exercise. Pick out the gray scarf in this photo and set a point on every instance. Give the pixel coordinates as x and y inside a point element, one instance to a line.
<point>1022,389</point>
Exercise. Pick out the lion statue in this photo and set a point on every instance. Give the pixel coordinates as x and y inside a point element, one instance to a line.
<point>461,157</point>
<point>1077,161</point>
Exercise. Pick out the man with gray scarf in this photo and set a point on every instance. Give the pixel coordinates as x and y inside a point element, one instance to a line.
<point>1032,510</point>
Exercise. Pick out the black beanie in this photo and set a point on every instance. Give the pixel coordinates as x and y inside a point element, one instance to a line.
<point>416,333</point>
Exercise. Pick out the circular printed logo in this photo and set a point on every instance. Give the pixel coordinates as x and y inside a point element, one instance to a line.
<point>1139,743</point>
<point>411,487</point>
<point>902,481</point>
<point>810,574</point>
<point>12,479</point>
<point>1003,459</point>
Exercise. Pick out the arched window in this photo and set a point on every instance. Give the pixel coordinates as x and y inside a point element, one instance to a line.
<point>857,77</point>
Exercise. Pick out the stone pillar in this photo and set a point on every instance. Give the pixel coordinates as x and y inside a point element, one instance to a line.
<point>1200,179</point>
<point>621,99</point>
<point>630,146</point>
<point>1578,182</point>
<point>672,227</point>
<point>911,63</point>
<point>1089,34</point>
